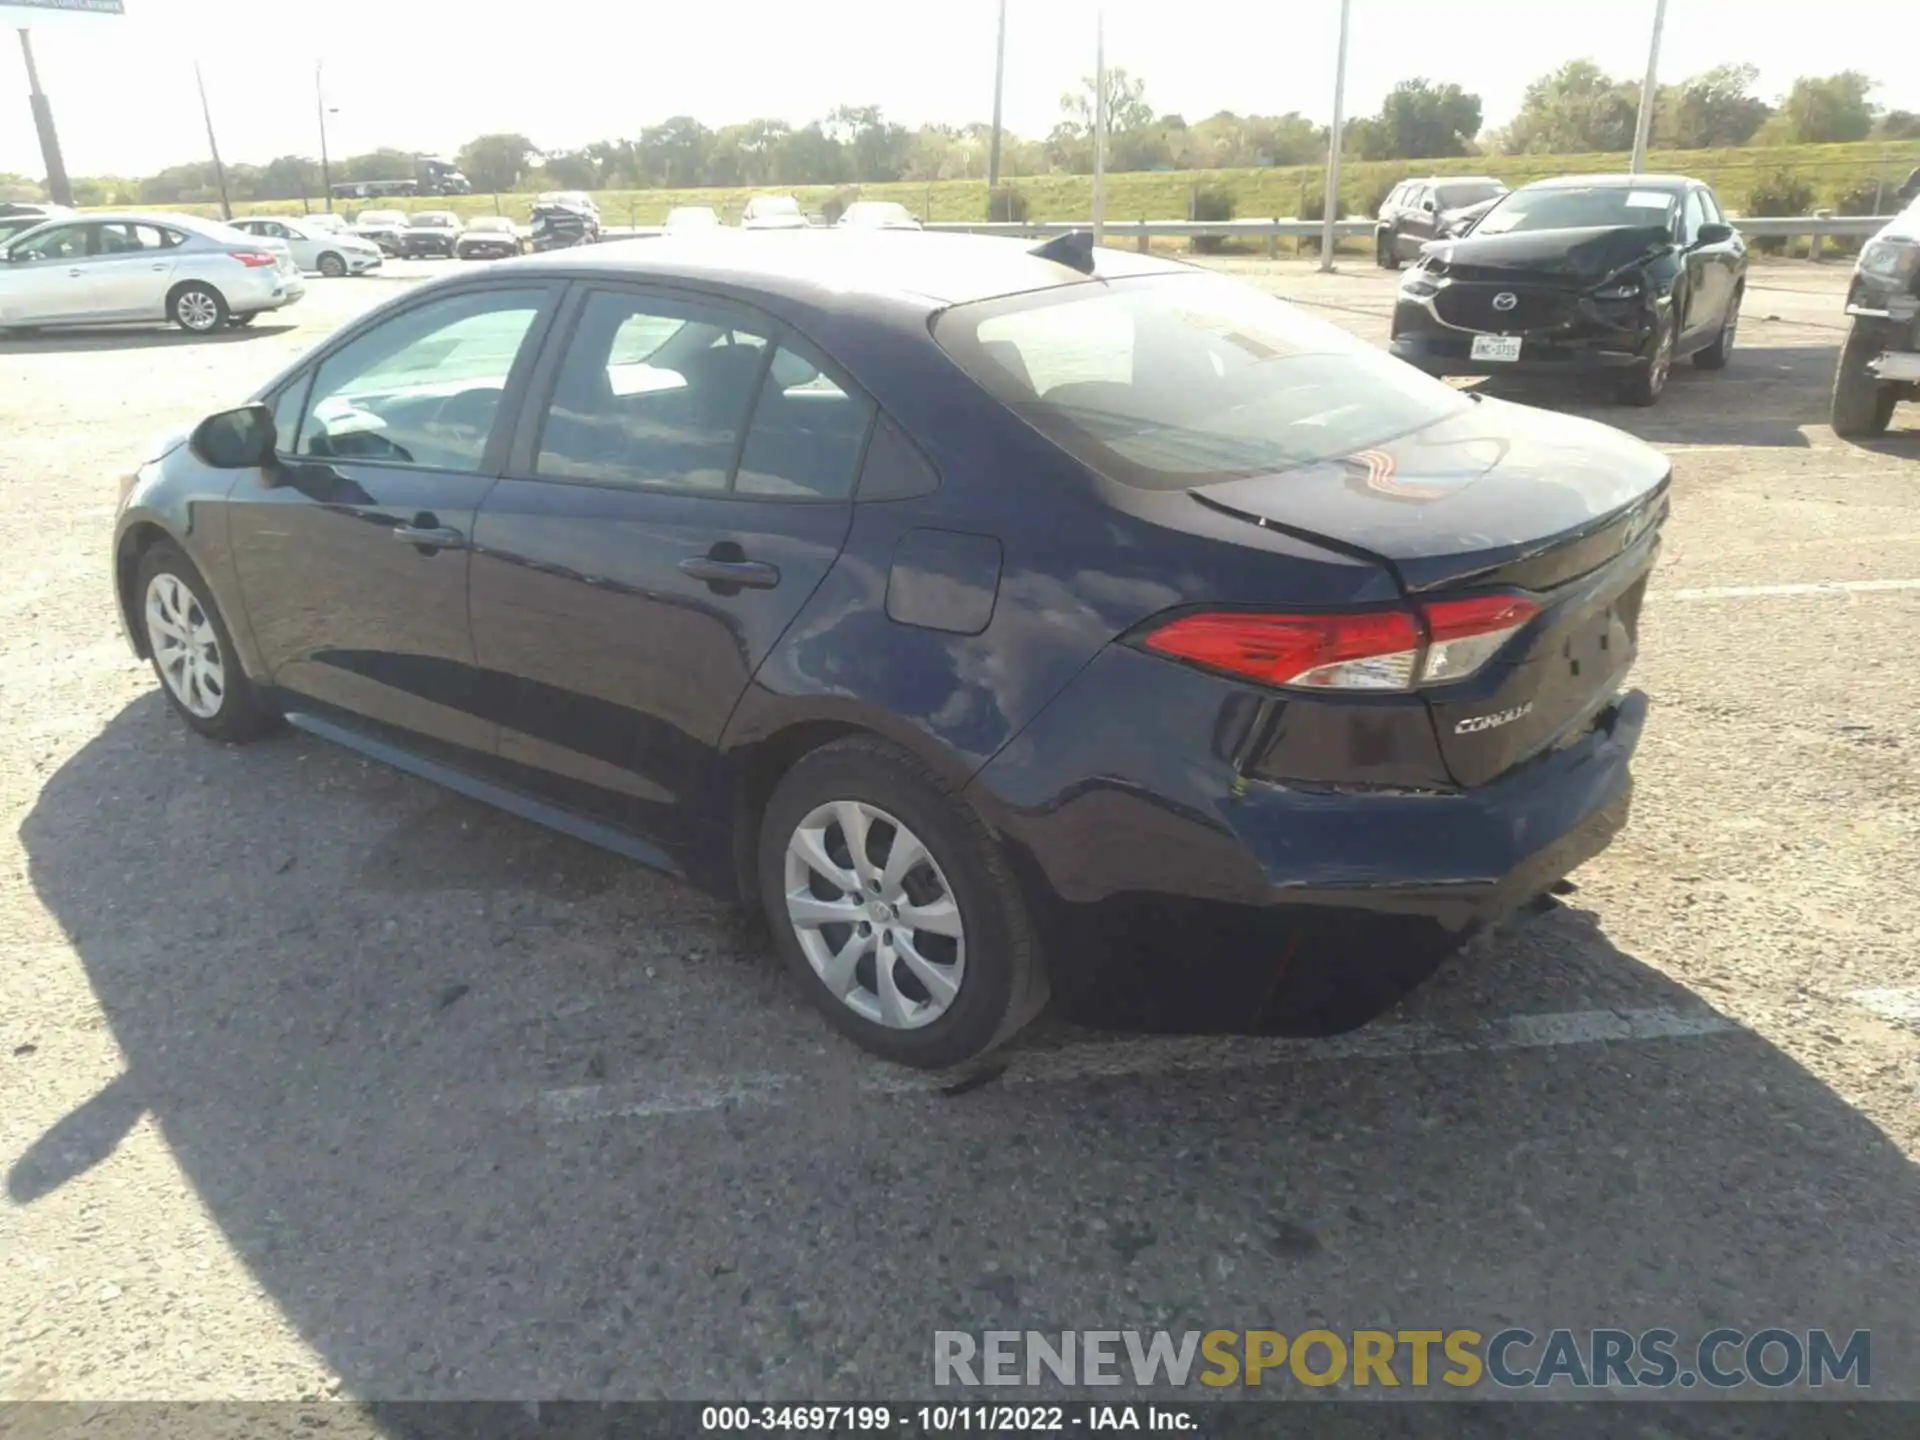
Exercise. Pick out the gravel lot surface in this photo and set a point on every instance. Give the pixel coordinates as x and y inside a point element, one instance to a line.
<point>321,1081</point>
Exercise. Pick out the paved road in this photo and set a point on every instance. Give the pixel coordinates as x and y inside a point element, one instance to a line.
<point>322,1081</point>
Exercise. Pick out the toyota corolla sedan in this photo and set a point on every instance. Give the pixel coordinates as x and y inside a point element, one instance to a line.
<point>1614,276</point>
<point>119,269</point>
<point>931,592</point>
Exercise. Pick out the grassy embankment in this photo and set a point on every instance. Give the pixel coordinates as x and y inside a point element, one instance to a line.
<point>1832,172</point>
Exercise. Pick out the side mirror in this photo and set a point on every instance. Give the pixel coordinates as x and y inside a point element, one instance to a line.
<point>1713,233</point>
<point>240,439</point>
<point>1427,205</point>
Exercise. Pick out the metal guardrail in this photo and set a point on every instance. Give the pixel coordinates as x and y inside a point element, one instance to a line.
<point>1819,227</point>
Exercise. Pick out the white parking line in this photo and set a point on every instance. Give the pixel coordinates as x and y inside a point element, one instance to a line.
<point>1752,592</point>
<point>1177,1055</point>
<point>1891,1004</point>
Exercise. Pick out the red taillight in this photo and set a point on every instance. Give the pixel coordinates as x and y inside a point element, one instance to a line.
<point>1372,650</point>
<point>254,259</point>
<point>1364,650</point>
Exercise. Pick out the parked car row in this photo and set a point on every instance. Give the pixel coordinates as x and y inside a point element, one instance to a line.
<point>104,269</point>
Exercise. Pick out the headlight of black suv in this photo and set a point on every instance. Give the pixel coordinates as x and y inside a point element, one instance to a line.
<point>1894,259</point>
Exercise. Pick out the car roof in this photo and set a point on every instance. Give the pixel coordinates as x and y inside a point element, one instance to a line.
<point>801,265</point>
<point>1613,182</point>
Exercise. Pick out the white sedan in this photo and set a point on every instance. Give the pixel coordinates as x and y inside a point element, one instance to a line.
<point>122,269</point>
<point>315,248</point>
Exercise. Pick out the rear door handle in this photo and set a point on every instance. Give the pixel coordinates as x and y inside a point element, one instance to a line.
<point>431,537</point>
<point>742,574</point>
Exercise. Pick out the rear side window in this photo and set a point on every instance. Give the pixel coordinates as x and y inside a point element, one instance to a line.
<point>653,395</point>
<point>807,432</point>
<point>1181,380</point>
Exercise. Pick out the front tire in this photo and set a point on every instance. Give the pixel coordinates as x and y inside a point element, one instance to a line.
<point>197,309</point>
<point>1716,355</point>
<point>192,651</point>
<point>895,909</point>
<point>1650,382</point>
<point>332,266</point>
<point>1862,404</point>
<point>1386,251</point>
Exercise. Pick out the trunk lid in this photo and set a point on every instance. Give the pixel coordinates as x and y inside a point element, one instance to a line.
<point>1497,497</point>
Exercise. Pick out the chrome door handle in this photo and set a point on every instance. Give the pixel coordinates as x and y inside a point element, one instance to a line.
<point>745,574</point>
<point>431,537</point>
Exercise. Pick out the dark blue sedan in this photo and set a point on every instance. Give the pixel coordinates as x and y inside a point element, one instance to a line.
<point>929,591</point>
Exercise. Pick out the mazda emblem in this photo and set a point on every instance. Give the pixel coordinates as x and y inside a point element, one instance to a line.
<point>1505,300</point>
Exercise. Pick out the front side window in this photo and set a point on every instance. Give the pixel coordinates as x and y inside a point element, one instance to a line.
<point>653,394</point>
<point>424,387</point>
<point>68,242</point>
<point>1182,380</point>
<point>1459,196</point>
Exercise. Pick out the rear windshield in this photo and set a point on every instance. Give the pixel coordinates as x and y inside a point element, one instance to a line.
<point>1577,207</point>
<point>1172,381</point>
<point>1459,196</point>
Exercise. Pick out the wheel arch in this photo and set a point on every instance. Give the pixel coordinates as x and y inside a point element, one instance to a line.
<point>134,543</point>
<point>758,761</point>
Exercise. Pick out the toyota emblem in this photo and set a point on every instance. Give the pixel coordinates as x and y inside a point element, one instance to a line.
<point>1505,300</point>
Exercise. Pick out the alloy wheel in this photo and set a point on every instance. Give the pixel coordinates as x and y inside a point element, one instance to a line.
<point>197,310</point>
<point>874,915</point>
<point>1662,362</point>
<point>185,648</point>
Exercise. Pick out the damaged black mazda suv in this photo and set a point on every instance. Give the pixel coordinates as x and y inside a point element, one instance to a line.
<point>1610,275</point>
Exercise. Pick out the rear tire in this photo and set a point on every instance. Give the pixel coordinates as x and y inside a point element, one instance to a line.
<point>1862,405</point>
<point>332,266</point>
<point>196,308</point>
<point>1716,355</point>
<point>192,651</point>
<point>978,950</point>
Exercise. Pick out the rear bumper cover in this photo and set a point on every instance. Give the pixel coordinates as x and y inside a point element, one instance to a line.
<point>1126,785</point>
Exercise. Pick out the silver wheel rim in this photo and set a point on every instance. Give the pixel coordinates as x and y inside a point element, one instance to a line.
<point>185,649</point>
<point>1662,362</point>
<point>874,915</point>
<point>197,310</point>
<point>333,266</point>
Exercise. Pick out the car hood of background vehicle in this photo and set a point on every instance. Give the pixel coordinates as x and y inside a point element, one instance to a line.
<point>1481,489</point>
<point>1585,256</point>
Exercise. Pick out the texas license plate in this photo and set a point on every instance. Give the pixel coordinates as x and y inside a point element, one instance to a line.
<point>1496,347</point>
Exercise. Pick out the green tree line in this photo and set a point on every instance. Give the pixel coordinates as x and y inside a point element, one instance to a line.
<point>1576,109</point>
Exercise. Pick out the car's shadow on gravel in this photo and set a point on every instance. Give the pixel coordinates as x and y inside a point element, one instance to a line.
<point>337,993</point>
<point>1766,397</point>
<point>154,337</point>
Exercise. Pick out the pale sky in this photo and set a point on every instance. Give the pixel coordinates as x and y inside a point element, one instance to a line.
<point>422,75</point>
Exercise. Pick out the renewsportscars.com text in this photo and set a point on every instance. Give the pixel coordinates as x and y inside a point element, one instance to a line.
<point>1510,1359</point>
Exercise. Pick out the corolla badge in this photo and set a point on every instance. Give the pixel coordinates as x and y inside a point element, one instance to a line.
<point>1475,724</point>
<point>1505,300</point>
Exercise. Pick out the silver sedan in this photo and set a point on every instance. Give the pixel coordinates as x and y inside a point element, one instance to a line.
<point>329,252</point>
<point>122,269</point>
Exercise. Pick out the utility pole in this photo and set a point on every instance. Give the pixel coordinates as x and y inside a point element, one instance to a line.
<point>999,88</point>
<point>219,170</point>
<point>326,170</point>
<point>1649,90</point>
<point>1100,127</point>
<point>1330,218</point>
<point>59,188</point>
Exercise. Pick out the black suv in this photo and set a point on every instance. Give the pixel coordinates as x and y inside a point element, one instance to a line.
<point>1880,361</point>
<point>1416,211</point>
